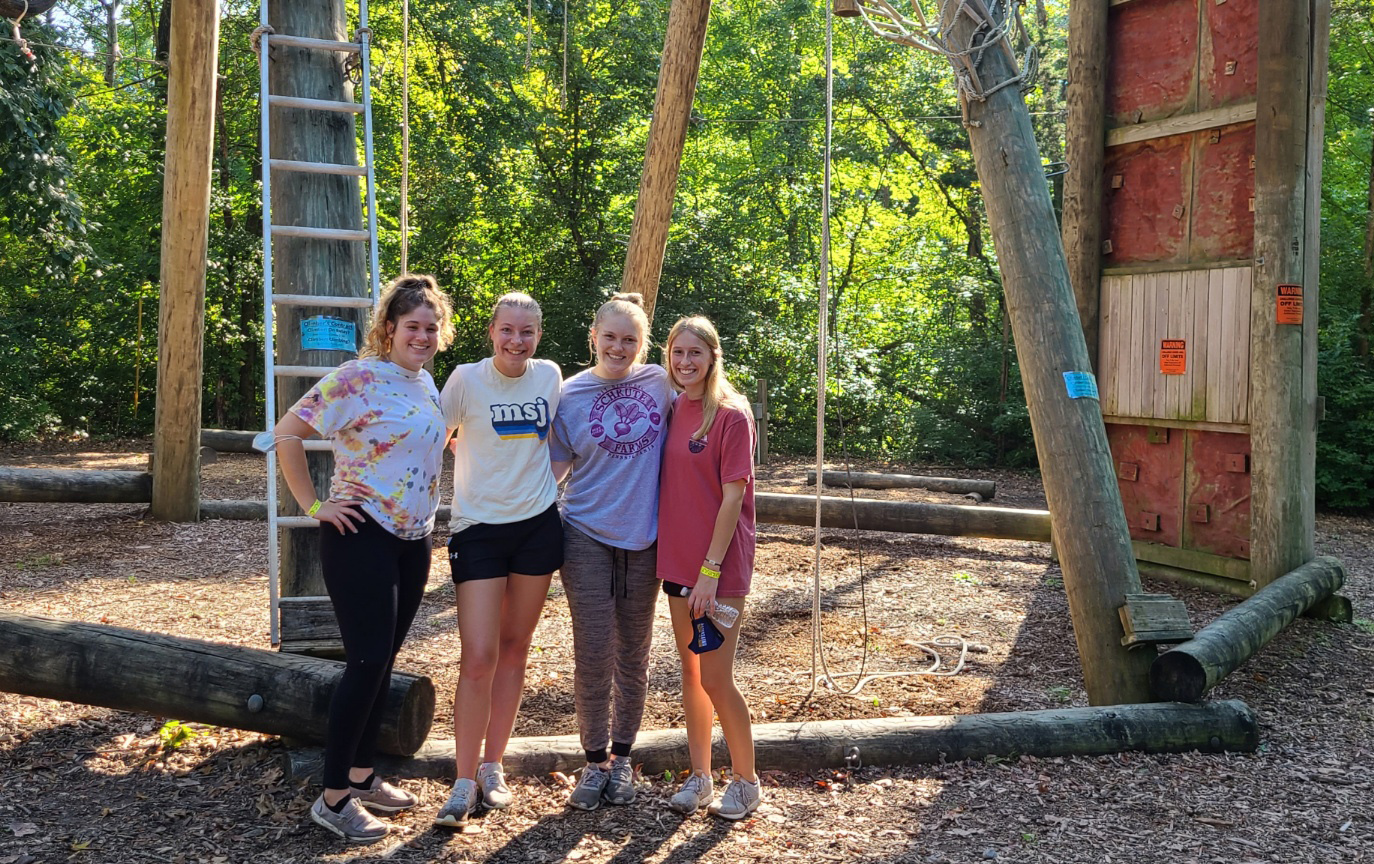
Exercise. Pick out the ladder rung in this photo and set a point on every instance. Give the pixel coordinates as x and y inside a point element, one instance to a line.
<point>302,371</point>
<point>319,444</point>
<point>296,522</point>
<point>307,42</point>
<point>317,167</point>
<point>315,104</point>
<point>319,233</point>
<point>322,300</point>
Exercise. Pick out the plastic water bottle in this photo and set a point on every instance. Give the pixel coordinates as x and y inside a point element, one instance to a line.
<point>725,616</point>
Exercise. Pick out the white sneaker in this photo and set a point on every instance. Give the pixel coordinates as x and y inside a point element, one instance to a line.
<point>492,778</point>
<point>587,795</point>
<point>740,799</point>
<point>464,799</point>
<point>696,792</point>
<point>353,823</point>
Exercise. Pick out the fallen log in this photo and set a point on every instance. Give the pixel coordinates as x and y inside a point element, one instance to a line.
<point>1189,670</point>
<point>228,440</point>
<point>911,517</point>
<point>1158,727</point>
<point>75,486</point>
<point>855,480</point>
<point>186,679</point>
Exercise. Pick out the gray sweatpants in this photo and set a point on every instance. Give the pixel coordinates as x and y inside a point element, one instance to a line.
<point>611,595</point>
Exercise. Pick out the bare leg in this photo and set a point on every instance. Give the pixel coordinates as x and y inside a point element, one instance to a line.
<point>524,600</point>
<point>479,630</point>
<point>696,705</point>
<point>718,681</point>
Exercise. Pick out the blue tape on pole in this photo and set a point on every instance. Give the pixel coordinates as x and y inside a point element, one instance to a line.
<point>1081,385</point>
<point>322,333</point>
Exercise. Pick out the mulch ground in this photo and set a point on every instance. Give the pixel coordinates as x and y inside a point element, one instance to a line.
<point>87,784</point>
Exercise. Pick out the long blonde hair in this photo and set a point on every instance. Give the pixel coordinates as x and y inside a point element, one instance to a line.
<point>403,295</point>
<point>631,305</point>
<point>718,389</point>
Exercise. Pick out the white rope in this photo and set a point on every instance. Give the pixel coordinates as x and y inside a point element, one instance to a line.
<point>405,136</point>
<point>820,672</point>
<point>563,97</point>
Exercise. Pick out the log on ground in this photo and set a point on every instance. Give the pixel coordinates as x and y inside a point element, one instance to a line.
<point>75,486</point>
<point>909,517</point>
<point>1158,727</point>
<point>1189,670</point>
<point>203,682</point>
<point>856,480</point>
<point>228,440</point>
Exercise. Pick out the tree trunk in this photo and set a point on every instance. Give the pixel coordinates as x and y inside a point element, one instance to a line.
<point>186,679</point>
<point>111,39</point>
<point>1282,515</point>
<point>309,266</point>
<point>1090,531</point>
<point>1084,143</point>
<point>821,745</point>
<point>185,237</point>
<point>1365,326</point>
<point>75,486</point>
<point>1189,670</point>
<point>15,8</point>
<point>677,84</point>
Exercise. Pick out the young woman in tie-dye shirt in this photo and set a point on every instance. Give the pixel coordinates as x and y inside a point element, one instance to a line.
<point>381,413</point>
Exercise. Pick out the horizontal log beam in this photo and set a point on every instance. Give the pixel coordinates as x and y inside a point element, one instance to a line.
<point>1197,122</point>
<point>228,440</point>
<point>1158,727</point>
<point>910,517</point>
<point>186,679</point>
<point>1189,670</point>
<point>856,480</point>
<point>75,486</point>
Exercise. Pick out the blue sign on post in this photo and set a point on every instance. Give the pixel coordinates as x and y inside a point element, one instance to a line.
<point>322,333</point>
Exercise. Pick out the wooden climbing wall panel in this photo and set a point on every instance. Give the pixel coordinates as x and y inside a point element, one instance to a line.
<point>1178,231</point>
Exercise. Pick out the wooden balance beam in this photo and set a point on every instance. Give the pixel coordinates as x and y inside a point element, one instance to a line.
<point>1159,727</point>
<point>204,682</point>
<point>1190,669</point>
<point>855,480</point>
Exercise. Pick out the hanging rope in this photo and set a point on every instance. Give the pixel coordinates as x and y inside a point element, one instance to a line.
<point>820,672</point>
<point>405,136</point>
<point>563,97</point>
<point>18,39</point>
<point>529,32</point>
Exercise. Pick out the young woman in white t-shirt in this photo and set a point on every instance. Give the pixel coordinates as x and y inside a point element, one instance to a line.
<point>507,540</point>
<point>382,414</point>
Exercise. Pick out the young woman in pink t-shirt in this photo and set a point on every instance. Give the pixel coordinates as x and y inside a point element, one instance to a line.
<point>706,557</point>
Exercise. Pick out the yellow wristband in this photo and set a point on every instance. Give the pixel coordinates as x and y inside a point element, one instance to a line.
<point>314,508</point>
<point>709,573</point>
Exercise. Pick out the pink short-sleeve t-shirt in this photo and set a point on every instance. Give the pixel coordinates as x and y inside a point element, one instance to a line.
<point>691,490</point>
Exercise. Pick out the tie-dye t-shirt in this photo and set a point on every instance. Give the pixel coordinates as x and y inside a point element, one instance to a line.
<point>388,435</point>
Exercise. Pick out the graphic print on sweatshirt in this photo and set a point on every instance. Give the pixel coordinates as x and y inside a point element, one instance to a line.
<point>625,420</point>
<point>521,419</point>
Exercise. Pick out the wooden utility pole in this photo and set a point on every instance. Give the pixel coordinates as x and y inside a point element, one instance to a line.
<point>185,235</point>
<point>1084,146</point>
<point>1088,522</point>
<point>310,266</point>
<point>677,85</point>
<point>1283,300</point>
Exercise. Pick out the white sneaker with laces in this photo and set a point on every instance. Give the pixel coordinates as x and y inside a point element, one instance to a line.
<point>352,823</point>
<point>461,802</point>
<point>587,795</point>
<point>740,799</point>
<point>697,791</point>
<point>491,776</point>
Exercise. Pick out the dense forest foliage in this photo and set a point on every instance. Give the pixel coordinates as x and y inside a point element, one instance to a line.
<point>527,137</point>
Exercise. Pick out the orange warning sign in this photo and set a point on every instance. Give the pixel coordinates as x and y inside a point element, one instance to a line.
<point>1290,304</point>
<point>1173,356</point>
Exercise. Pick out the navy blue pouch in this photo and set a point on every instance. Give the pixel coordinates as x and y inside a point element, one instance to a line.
<point>705,636</point>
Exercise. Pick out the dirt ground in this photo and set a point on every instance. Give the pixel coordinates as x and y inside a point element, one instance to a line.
<point>87,784</point>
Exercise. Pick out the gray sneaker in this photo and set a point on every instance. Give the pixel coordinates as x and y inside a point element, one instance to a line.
<point>587,795</point>
<point>461,802</point>
<point>696,792</point>
<point>620,787</point>
<point>492,778</point>
<point>381,795</point>
<point>740,799</point>
<point>353,823</point>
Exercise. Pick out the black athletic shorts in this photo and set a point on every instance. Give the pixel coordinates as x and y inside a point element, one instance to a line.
<point>532,546</point>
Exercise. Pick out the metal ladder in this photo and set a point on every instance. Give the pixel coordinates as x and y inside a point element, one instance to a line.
<point>267,102</point>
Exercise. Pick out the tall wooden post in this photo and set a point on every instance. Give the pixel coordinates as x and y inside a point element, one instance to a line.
<point>309,266</point>
<point>1088,522</point>
<point>1282,421</point>
<point>194,61</point>
<point>1084,146</point>
<point>677,85</point>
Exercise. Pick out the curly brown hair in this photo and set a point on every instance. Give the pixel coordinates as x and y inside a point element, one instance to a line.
<point>403,295</point>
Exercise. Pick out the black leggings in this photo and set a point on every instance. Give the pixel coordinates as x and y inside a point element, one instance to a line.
<point>376,581</point>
